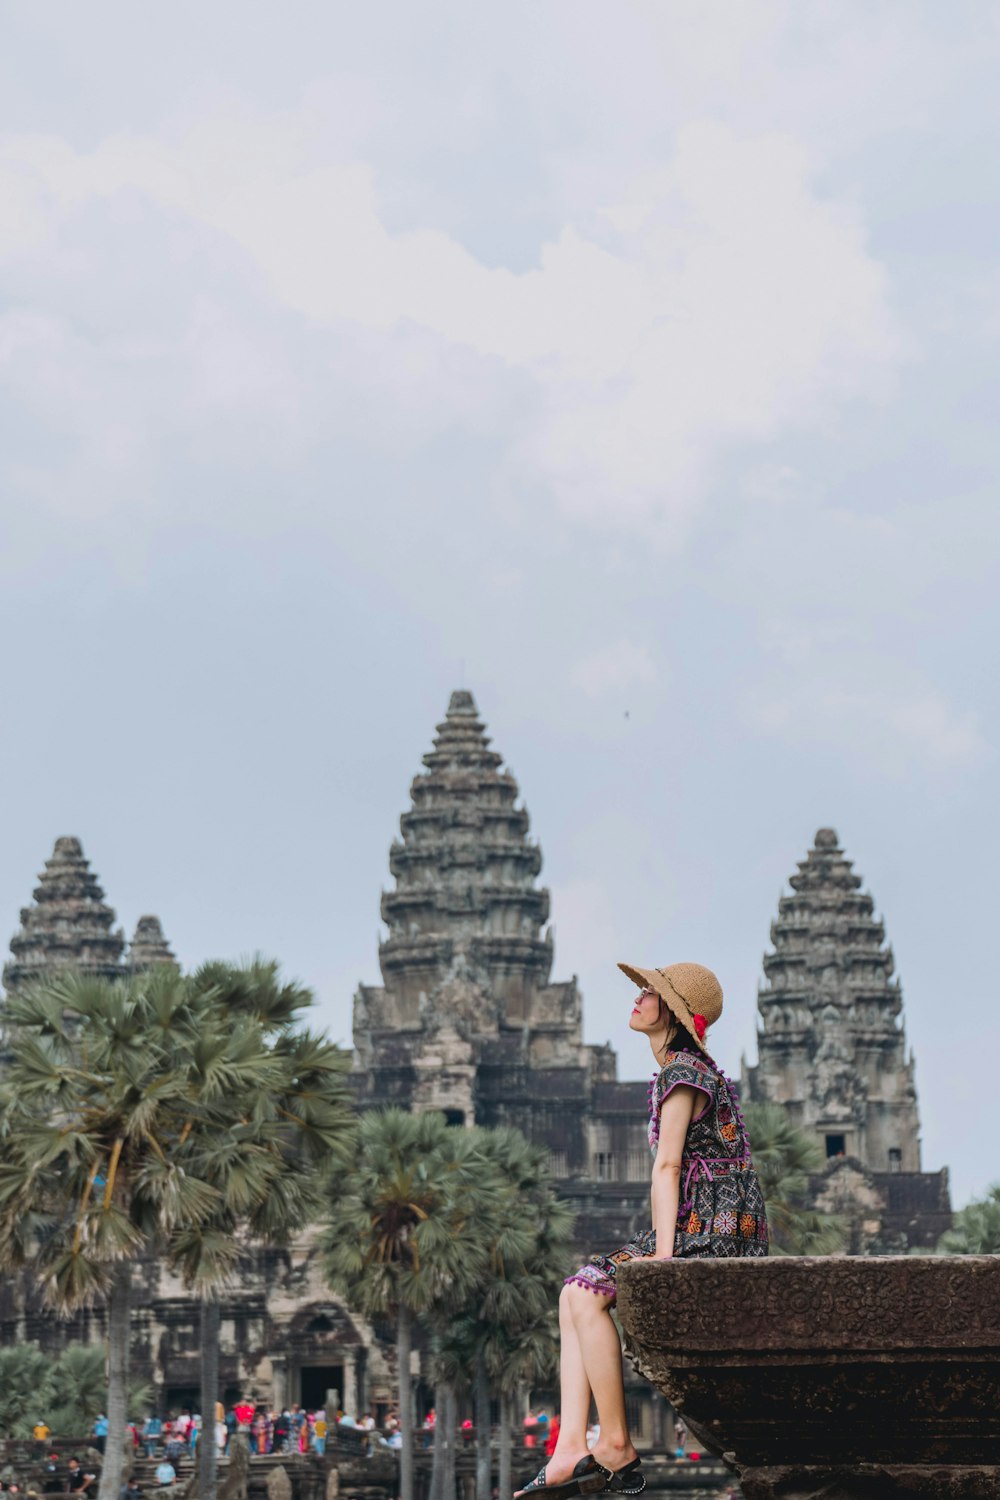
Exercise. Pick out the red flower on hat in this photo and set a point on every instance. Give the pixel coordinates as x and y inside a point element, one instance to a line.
<point>699,1026</point>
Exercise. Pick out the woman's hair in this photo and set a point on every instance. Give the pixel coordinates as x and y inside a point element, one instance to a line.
<point>681,1040</point>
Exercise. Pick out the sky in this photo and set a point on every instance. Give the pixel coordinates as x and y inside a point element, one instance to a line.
<point>632,366</point>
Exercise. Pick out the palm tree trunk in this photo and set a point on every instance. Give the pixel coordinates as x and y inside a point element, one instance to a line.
<point>482,1407</point>
<point>208,1448</point>
<point>403,1346</point>
<point>450,1450</point>
<point>119,1300</point>
<point>436,1491</point>
<point>504,1455</point>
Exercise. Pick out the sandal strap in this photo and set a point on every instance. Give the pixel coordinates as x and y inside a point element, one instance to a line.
<point>626,1481</point>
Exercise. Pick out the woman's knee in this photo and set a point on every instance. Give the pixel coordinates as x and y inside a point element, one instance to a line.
<point>581,1302</point>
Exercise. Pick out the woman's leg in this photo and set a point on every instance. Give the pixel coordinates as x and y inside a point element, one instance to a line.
<point>601,1354</point>
<point>574,1399</point>
<point>574,1389</point>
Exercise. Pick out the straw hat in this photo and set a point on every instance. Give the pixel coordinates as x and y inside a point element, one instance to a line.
<point>690,992</point>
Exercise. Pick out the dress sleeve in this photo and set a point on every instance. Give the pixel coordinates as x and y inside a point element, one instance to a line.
<point>679,1068</point>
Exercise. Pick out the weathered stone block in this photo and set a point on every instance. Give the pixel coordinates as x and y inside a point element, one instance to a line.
<point>849,1378</point>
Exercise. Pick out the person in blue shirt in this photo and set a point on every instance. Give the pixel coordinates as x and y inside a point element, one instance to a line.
<point>152,1430</point>
<point>100,1431</point>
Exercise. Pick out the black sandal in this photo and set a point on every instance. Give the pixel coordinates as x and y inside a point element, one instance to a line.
<point>627,1481</point>
<point>587,1478</point>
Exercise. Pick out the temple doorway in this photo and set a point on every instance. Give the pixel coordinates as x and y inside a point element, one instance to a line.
<point>316,1380</point>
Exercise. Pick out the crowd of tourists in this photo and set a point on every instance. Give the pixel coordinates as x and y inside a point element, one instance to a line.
<point>173,1443</point>
<point>292,1429</point>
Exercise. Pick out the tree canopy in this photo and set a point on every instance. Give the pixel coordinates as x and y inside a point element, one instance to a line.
<point>785,1159</point>
<point>157,1115</point>
<point>976,1228</point>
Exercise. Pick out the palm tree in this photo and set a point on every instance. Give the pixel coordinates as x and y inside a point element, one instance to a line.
<point>25,1389</point>
<point>68,1391</point>
<point>113,1129</point>
<point>267,1165</point>
<point>93,1099</point>
<point>403,1232</point>
<point>506,1333</point>
<point>976,1230</point>
<point>785,1158</point>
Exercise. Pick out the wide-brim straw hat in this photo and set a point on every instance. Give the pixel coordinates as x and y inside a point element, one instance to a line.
<point>687,990</point>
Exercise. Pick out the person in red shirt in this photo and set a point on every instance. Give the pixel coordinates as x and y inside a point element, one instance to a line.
<point>243,1411</point>
<point>553,1437</point>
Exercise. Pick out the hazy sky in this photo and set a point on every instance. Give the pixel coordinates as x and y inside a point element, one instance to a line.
<point>635,365</point>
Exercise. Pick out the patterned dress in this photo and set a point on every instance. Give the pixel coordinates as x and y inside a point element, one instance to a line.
<point>721,1210</point>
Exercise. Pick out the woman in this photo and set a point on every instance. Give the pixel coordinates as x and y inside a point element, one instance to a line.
<point>705,1200</point>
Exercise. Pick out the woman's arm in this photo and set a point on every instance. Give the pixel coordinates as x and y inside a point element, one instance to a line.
<point>675,1117</point>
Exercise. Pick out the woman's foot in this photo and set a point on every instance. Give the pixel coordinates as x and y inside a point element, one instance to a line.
<point>560,1470</point>
<point>622,1467</point>
<point>612,1455</point>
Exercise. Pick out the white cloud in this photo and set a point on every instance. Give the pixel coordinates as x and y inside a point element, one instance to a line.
<point>892,730</point>
<point>730,304</point>
<point>616,666</point>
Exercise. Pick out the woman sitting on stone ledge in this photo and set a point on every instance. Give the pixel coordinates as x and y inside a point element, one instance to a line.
<point>705,1200</point>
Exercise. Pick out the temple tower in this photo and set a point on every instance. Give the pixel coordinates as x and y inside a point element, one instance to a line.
<point>832,1052</point>
<point>831,1043</point>
<point>148,947</point>
<point>466,962</point>
<point>467,1019</point>
<point>465,876</point>
<point>69,926</point>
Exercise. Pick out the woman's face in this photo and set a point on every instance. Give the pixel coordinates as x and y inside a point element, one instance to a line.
<point>646,1012</point>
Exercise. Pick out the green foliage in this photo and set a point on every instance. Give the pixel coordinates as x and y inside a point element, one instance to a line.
<point>510,1320</point>
<point>25,1389</point>
<point>403,1222</point>
<point>79,1389</point>
<point>66,1391</point>
<point>785,1158</point>
<point>161,1115</point>
<point>976,1230</point>
<point>459,1226</point>
<point>168,1112</point>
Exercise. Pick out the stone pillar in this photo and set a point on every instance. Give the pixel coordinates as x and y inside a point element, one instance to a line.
<point>350,1396</point>
<point>279,1381</point>
<point>869,1378</point>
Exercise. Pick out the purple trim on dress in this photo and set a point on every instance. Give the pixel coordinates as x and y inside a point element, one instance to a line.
<point>598,1291</point>
<point>683,1084</point>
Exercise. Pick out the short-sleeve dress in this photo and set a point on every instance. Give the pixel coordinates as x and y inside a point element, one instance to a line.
<point>721,1208</point>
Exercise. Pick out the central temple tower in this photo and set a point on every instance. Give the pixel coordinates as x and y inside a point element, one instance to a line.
<point>467,1019</point>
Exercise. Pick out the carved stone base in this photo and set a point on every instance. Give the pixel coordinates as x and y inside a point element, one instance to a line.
<point>872,1482</point>
<point>829,1379</point>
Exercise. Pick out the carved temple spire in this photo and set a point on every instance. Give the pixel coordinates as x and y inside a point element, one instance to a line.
<point>831,1044</point>
<point>465,868</point>
<point>148,947</point>
<point>69,926</point>
<point>467,959</point>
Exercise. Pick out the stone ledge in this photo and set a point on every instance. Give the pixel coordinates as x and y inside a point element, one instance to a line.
<point>881,1374</point>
